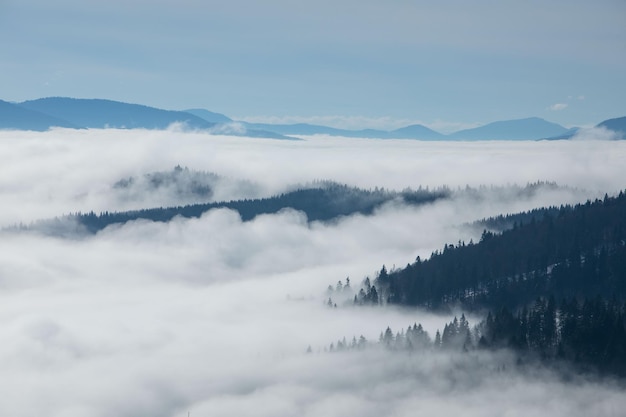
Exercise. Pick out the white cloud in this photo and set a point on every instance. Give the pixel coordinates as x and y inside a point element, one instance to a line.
<point>558,106</point>
<point>596,134</point>
<point>212,315</point>
<point>75,170</point>
<point>229,129</point>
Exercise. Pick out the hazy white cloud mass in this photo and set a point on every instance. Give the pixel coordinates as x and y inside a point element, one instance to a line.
<point>213,316</point>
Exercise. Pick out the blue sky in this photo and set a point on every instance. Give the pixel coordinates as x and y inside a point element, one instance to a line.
<point>349,63</point>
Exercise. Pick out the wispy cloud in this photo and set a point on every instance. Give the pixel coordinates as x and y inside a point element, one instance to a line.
<point>596,134</point>
<point>558,106</point>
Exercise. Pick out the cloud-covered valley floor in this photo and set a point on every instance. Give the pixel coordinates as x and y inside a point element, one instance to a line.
<point>213,315</point>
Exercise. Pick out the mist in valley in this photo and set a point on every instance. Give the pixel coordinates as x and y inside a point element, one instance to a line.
<point>214,315</point>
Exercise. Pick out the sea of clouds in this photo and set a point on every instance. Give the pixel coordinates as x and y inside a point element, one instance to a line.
<point>213,316</point>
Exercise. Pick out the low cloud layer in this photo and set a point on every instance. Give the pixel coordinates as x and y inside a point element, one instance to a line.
<point>62,171</point>
<point>213,315</point>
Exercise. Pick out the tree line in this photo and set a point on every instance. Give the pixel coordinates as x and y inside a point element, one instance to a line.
<point>578,252</point>
<point>589,334</point>
<point>325,202</point>
<point>573,254</point>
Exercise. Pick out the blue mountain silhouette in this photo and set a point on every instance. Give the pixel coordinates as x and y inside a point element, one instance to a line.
<point>531,128</point>
<point>98,113</point>
<point>617,125</point>
<point>44,113</point>
<point>14,117</point>
<point>408,132</point>
<point>209,116</point>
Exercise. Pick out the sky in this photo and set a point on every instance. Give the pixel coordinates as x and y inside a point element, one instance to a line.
<point>213,316</point>
<point>354,64</point>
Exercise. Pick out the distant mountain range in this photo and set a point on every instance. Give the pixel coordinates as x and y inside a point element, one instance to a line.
<point>210,116</point>
<point>617,125</point>
<point>45,113</point>
<point>100,114</point>
<point>16,117</point>
<point>409,132</point>
<point>521,129</point>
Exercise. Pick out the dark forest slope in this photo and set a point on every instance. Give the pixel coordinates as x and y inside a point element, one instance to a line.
<point>578,252</point>
<point>324,203</point>
<point>553,287</point>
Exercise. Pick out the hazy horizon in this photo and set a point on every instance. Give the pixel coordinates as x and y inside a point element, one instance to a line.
<point>447,66</point>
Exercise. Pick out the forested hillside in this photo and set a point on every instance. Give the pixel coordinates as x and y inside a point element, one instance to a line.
<point>319,201</point>
<point>324,202</point>
<point>577,252</point>
<point>552,287</point>
<point>589,334</point>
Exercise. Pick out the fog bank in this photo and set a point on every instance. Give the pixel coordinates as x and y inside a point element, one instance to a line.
<point>213,315</point>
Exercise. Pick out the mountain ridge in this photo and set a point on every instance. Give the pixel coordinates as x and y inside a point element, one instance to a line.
<point>101,113</point>
<point>44,113</point>
<point>617,125</point>
<point>209,116</point>
<point>415,131</point>
<point>13,116</point>
<point>530,128</point>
